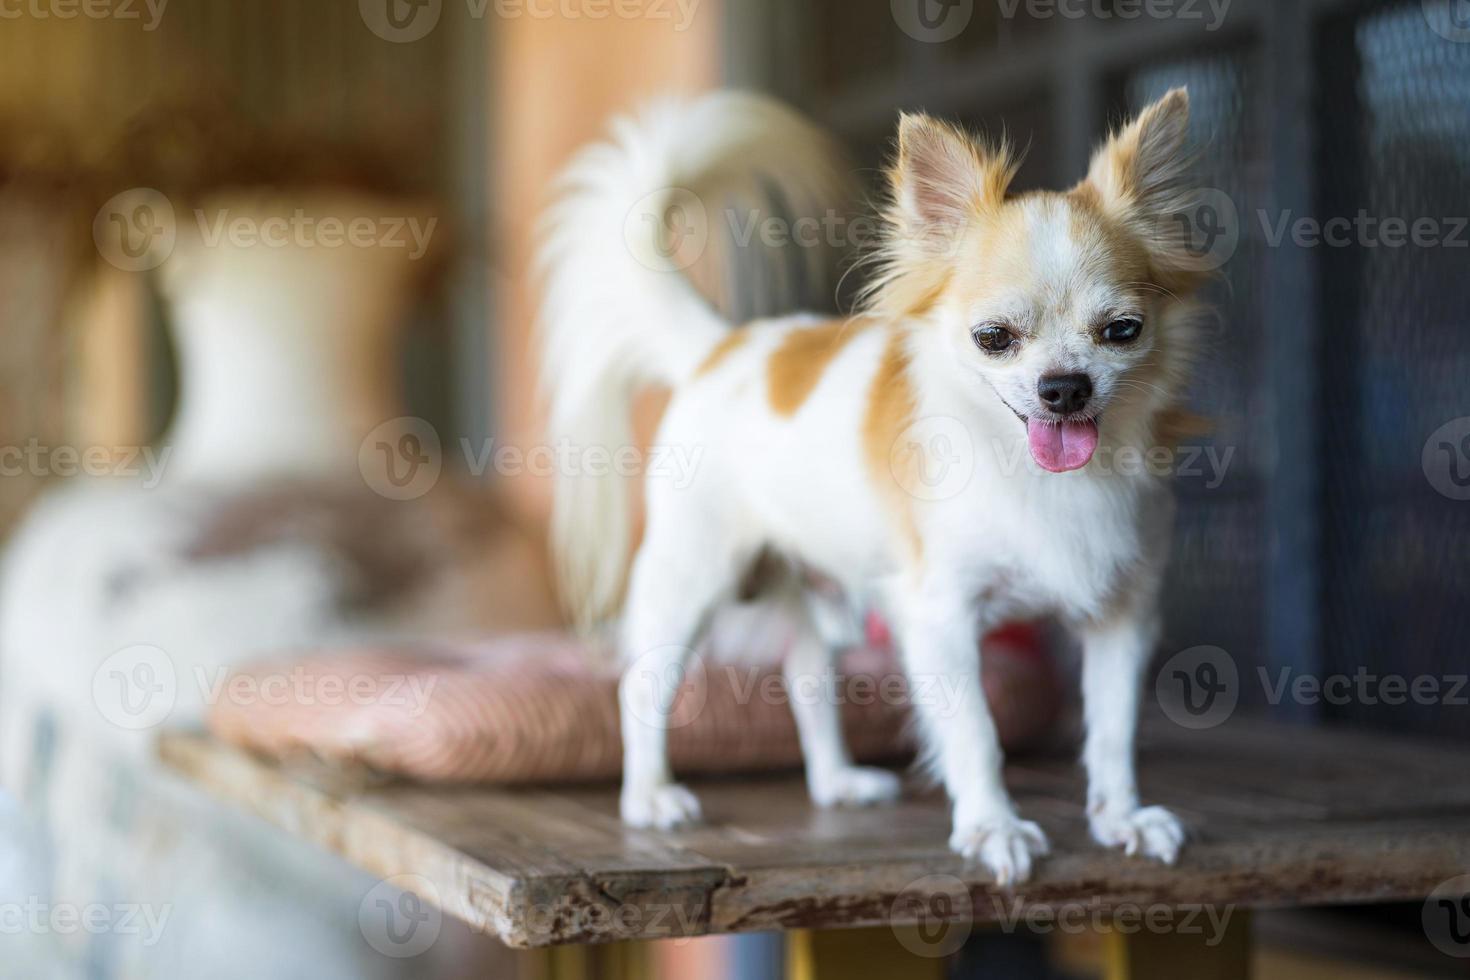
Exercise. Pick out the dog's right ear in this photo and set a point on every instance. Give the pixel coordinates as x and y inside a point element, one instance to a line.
<point>941,181</point>
<point>944,177</point>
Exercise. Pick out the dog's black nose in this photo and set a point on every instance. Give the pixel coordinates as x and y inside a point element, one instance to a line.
<point>1065,393</point>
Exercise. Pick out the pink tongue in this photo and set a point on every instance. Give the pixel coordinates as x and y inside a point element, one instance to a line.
<point>1059,448</point>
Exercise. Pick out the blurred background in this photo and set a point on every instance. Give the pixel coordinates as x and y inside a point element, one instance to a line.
<point>1325,522</point>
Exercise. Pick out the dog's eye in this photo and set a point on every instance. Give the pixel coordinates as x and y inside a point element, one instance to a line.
<point>1122,330</point>
<point>993,340</point>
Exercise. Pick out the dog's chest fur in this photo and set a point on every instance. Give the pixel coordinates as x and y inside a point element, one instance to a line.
<point>1025,545</point>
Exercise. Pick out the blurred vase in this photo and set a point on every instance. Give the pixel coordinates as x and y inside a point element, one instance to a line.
<point>287,332</point>
<point>259,533</point>
<point>38,261</point>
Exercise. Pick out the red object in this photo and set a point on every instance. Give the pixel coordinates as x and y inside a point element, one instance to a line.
<point>1020,639</point>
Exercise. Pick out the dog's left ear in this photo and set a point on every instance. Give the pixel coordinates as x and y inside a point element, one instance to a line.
<point>1141,178</point>
<point>1143,166</point>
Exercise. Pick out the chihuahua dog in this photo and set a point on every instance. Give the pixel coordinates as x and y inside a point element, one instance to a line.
<point>1018,345</point>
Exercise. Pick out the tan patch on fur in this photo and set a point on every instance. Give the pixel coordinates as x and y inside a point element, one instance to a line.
<point>795,368</point>
<point>1086,196</point>
<point>891,406</point>
<point>730,343</point>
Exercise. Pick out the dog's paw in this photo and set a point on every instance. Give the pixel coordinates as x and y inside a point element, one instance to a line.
<point>1149,831</point>
<point>1006,846</point>
<point>855,786</point>
<point>664,806</point>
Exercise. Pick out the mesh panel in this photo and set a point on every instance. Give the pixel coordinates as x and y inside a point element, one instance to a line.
<point>1215,595</point>
<point>1395,143</point>
<point>1391,129</point>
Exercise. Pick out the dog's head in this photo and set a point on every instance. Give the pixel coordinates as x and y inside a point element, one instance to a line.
<point>1070,308</point>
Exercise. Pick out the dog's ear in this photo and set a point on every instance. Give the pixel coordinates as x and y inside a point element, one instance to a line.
<point>1144,166</point>
<point>1141,177</point>
<point>941,181</point>
<point>943,177</point>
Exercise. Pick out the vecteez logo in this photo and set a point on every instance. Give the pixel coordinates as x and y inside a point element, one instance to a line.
<point>402,459</point>
<point>1446,459</point>
<point>933,458</point>
<point>933,21</point>
<point>1446,917</point>
<point>136,230</point>
<point>1450,19</point>
<point>1198,688</point>
<point>401,21</point>
<point>400,916</point>
<point>136,687</point>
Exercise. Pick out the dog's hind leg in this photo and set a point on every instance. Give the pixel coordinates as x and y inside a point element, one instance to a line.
<point>684,568</point>
<point>822,629</point>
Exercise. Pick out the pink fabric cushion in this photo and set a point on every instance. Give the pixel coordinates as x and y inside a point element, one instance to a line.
<point>543,707</point>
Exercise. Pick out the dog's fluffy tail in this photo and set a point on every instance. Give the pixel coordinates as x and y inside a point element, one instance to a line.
<point>681,186</point>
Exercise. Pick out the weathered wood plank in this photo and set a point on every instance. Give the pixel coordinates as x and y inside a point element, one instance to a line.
<point>1280,817</point>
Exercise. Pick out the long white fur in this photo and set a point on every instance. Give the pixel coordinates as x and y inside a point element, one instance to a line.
<point>1086,546</point>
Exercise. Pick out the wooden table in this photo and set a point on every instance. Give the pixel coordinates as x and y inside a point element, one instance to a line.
<point>1280,817</point>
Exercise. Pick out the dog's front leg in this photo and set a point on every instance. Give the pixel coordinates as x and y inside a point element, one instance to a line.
<point>939,632</point>
<point>1115,653</point>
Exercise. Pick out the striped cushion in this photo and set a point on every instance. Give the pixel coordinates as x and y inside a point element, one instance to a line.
<point>543,707</point>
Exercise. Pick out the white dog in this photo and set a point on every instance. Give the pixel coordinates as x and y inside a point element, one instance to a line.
<point>1034,340</point>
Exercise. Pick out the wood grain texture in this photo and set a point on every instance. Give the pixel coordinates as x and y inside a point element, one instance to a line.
<point>1279,817</point>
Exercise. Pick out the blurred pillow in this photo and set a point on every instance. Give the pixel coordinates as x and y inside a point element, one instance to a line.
<point>544,708</point>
